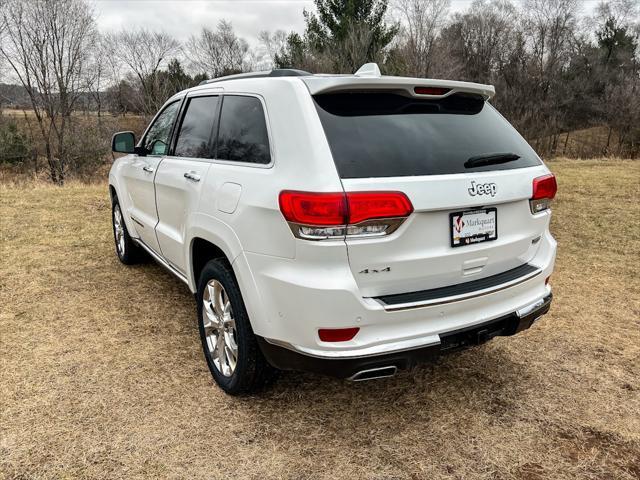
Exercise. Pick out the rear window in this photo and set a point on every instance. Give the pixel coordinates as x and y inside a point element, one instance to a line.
<point>389,135</point>
<point>243,132</point>
<point>194,139</point>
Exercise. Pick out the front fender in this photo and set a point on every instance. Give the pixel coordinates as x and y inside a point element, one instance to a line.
<point>123,199</point>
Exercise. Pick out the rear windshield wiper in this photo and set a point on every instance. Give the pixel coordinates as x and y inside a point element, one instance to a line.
<point>490,159</point>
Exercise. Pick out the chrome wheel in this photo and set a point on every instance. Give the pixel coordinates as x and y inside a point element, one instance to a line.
<point>118,228</point>
<point>219,328</point>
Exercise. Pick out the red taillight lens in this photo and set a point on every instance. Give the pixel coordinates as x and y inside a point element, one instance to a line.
<point>544,187</point>
<point>369,205</point>
<point>431,90</point>
<point>321,209</point>
<point>319,216</point>
<point>544,190</point>
<point>337,334</point>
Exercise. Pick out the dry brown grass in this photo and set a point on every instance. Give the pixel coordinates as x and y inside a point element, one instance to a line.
<point>102,375</point>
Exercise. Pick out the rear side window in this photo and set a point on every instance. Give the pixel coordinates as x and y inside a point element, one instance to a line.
<point>197,129</point>
<point>389,135</point>
<point>243,131</point>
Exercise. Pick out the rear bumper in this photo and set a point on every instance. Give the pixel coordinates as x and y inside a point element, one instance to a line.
<point>345,366</point>
<point>288,300</point>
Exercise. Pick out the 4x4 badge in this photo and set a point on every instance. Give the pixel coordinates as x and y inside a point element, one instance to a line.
<point>375,270</point>
<point>482,189</point>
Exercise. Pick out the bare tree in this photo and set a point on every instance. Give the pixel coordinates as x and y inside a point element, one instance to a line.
<point>550,26</point>
<point>625,12</point>
<point>273,44</point>
<point>3,28</point>
<point>145,53</point>
<point>421,21</point>
<point>219,52</point>
<point>353,50</point>
<point>484,33</point>
<point>97,73</point>
<point>46,43</point>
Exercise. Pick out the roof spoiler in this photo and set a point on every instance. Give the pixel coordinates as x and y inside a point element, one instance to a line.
<point>368,77</point>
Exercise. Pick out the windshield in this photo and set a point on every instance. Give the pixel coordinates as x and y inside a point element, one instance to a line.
<point>389,135</point>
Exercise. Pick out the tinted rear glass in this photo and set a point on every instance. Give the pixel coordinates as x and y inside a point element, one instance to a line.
<point>243,131</point>
<point>194,139</point>
<point>389,135</point>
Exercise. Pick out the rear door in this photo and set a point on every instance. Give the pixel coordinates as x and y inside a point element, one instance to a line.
<point>140,171</point>
<point>181,176</point>
<point>470,220</point>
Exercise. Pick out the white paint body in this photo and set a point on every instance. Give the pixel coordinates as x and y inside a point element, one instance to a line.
<point>293,287</point>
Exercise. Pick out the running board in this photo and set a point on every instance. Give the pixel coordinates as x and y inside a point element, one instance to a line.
<point>161,261</point>
<point>460,291</point>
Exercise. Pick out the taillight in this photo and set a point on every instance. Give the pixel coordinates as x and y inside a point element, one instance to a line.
<point>337,334</point>
<point>318,216</point>
<point>369,205</point>
<point>544,190</point>
<point>322,209</point>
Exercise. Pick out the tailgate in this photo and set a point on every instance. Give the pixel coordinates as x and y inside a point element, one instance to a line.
<point>419,255</point>
<point>450,154</point>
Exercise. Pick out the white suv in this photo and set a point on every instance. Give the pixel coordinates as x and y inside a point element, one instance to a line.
<point>351,225</point>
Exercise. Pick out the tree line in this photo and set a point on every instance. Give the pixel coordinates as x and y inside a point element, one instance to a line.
<point>556,68</point>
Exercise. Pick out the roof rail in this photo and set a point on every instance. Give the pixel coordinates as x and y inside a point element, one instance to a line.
<point>278,72</point>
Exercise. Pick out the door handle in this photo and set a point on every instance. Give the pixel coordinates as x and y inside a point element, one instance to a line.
<point>147,169</point>
<point>193,176</point>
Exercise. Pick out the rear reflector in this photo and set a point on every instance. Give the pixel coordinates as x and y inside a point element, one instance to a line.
<point>431,90</point>
<point>544,190</point>
<point>337,334</point>
<point>317,216</point>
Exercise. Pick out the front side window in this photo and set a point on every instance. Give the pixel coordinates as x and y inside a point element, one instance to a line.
<point>243,131</point>
<point>156,142</point>
<point>197,129</point>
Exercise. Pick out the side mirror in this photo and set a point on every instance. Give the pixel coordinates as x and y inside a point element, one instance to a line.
<point>123,142</point>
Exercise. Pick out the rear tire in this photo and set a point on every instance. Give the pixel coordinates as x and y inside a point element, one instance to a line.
<point>127,250</point>
<point>229,344</point>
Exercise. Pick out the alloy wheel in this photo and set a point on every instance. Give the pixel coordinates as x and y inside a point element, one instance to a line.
<point>219,328</point>
<point>118,227</point>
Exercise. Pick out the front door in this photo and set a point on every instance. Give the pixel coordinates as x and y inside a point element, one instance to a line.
<point>139,174</point>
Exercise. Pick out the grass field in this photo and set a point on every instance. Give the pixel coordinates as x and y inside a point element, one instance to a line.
<point>102,374</point>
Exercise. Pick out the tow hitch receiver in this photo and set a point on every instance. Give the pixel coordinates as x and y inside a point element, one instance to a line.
<point>506,326</point>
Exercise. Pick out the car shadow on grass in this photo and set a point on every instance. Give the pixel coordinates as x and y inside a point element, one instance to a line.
<point>480,380</point>
<point>486,379</point>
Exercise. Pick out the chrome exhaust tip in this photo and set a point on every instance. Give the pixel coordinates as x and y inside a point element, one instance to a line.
<point>374,373</point>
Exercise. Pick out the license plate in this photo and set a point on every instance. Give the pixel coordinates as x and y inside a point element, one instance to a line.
<point>473,226</point>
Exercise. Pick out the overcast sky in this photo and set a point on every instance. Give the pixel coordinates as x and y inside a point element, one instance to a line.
<point>181,18</point>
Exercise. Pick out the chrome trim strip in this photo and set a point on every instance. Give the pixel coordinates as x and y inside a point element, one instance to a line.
<point>161,261</point>
<point>383,349</point>
<point>457,298</point>
<point>354,377</point>
<point>532,307</point>
<point>392,222</point>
